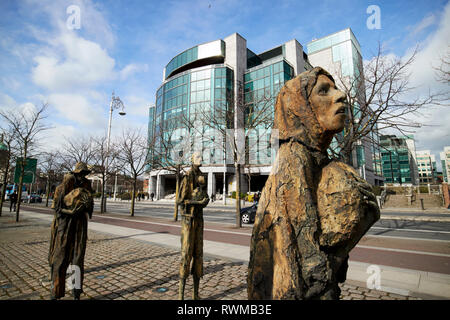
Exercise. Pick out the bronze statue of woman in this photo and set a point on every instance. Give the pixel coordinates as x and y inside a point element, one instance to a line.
<point>313,210</point>
<point>73,204</point>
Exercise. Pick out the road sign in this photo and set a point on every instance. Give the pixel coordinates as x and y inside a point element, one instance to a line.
<point>29,174</point>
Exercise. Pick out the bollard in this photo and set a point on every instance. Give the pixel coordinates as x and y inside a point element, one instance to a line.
<point>421,204</point>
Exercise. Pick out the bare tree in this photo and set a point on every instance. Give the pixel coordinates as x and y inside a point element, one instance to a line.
<point>7,139</point>
<point>51,167</point>
<point>240,120</point>
<point>77,149</point>
<point>380,97</point>
<point>443,69</point>
<point>170,150</point>
<point>103,160</point>
<point>132,155</point>
<point>26,125</point>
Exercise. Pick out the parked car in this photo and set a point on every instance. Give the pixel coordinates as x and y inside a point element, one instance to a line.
<point>248,214</point>
<point>35,198</point>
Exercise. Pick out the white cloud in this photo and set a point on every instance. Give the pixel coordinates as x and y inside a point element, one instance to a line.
<point>93,23</point>
<point>131,69</point>
<point>83,64</point>
<point>6,101</point>
<point>431,49</point>
<point>435,134</point>
<point>76,108</point>
<point>55,136</point>
<point>426,22</point>
<point>136,105</point>
<point>28,109</point>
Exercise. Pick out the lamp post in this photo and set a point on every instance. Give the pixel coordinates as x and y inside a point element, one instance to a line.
<point>116,103</point>
<point>224,180</point>
<point>115,185</point>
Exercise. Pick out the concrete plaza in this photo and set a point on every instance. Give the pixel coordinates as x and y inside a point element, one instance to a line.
<point>119,267</point>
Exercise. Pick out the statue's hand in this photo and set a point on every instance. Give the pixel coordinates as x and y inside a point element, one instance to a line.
<point>368,196</point>
<point>366,191</point>
<point>205,201</point>
<point>78,208</point>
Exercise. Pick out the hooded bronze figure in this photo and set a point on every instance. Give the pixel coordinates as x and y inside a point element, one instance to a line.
<point>313,210</point>
<point>192,198</point>
<point>73,204</point>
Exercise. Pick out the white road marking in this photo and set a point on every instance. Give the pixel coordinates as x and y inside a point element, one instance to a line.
<point>403,250</point>
<point>403,238</point>
<point>177,226</point>
<point>411,230</point>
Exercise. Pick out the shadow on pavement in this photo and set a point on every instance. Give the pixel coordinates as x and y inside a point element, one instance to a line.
<point>121,263</point>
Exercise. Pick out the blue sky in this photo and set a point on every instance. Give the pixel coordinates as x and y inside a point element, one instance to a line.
<point>124,46</point>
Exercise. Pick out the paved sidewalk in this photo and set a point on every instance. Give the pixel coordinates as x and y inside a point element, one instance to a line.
<point>121,268</point>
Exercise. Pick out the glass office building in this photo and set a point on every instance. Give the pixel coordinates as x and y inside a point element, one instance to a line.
<point>261,87</point>
<point>445,162</point>
<point>226,73</point>
<point>398,161</point>
<point>223,73</point>
<point>340,54</point>
<point>426,164</point>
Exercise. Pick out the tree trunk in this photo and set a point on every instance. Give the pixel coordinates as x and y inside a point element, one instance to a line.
<point>347,155</point>
<point>4,182</point>
<point>133,193</point>
<point>47,192</point>
<point>19,195</point>
<point>238,195</point>
<point>177,187</point>
<point>103,198</point>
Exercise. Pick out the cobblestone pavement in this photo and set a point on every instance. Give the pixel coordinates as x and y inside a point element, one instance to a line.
<point>120,268</point>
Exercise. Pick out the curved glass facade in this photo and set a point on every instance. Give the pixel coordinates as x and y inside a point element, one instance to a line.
<point>261,87</point>
<point>181,60</point>
<point>192,87</point>
<point>179,100</point>
<point>201,52</point>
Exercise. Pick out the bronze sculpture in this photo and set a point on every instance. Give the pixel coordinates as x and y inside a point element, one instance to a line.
<point>73,204</point>
<point>313,210</point>
<point>192,198</point>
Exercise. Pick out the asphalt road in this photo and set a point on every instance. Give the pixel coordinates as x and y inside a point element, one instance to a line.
<point>411,229</point>
<point>383,228</point>
<point>166,210</point>
<point>409,244</point>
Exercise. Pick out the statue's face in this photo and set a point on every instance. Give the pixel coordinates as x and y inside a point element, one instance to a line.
<point>197,159</point>
<point>329,104</point>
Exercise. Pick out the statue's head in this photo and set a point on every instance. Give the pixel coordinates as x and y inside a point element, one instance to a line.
<point>196,159</point>
<point>81,169</point>
<point>201,181</point>
<point>310,108</point>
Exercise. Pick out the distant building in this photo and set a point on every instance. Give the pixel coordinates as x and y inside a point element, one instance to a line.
<point>398,159</point>
<point>340,54</point>
<point>221,73</point>
<point>426,163</point>
<point>445,161</point>
<point>226,73</point>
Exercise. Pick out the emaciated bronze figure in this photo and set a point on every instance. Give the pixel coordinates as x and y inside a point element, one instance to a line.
<point>73,204</point>
<point>313,210</point>
<point>192,198</point>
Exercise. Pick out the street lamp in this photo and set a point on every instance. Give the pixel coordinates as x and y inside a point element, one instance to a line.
<point>116,103</point>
